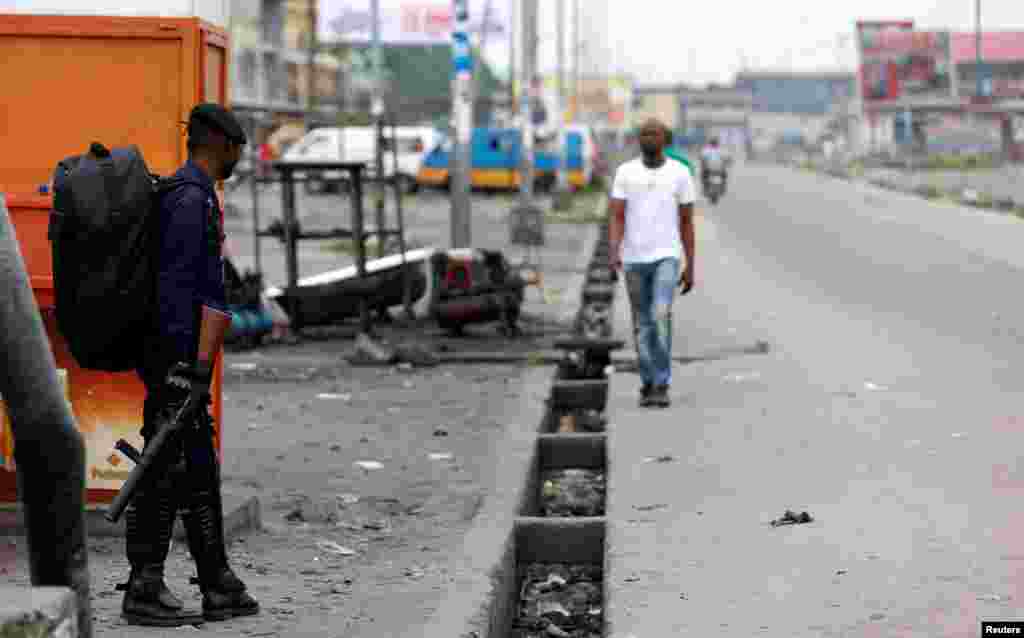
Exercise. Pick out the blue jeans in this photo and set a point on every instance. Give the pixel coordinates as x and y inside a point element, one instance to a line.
<point>652,289</point>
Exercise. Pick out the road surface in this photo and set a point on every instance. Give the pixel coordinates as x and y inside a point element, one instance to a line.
<point>889,407</point>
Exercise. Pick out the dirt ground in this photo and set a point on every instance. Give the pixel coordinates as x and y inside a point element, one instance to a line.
<point>345,551</point>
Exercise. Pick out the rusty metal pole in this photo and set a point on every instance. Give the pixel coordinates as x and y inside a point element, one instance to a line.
<point>49,450</point>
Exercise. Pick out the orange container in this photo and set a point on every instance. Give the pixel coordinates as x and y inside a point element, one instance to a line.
<point>70,81</point>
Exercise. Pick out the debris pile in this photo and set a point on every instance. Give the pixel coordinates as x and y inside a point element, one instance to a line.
<point>572,493</point>
<point>560,601</point>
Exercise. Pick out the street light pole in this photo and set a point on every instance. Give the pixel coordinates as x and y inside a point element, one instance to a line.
<point>462,120</point>
<point>562,183</point>
<point>377,110</point>
<point>977,47</point>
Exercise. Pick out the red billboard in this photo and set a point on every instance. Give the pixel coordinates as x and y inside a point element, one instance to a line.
<point>897,61</point>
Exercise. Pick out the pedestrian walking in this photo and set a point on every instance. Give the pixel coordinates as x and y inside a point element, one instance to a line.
<point>651,213</point>
<point>189,323</point>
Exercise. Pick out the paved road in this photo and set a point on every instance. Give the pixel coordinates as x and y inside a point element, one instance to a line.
<point>888,407</point>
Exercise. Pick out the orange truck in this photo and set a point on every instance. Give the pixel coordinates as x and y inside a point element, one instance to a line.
<point>86,76</point>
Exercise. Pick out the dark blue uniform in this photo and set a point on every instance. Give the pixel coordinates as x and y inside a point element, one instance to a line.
<point>191,270</point>
<point>190,275</point>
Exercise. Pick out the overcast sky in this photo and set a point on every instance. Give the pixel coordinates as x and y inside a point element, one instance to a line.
<point>699,42</point>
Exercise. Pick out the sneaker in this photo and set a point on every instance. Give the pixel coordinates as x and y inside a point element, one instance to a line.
<point>645,395</point>
<point>659,397</point>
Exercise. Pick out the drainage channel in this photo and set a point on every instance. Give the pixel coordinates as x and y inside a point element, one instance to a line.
<point>555,571</point>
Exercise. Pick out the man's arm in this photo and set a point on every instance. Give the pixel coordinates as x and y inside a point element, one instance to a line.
<point>686,196</point>
<point>616,230</point>
<point>616,220</point>
<point>688,237</point>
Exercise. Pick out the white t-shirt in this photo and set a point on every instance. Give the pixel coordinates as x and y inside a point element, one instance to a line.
<point>652,197</point>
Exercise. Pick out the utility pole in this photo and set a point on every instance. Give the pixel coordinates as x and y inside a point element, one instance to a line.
<point>377,111</point>
<point>977,49</point>
<point>311,72</point>
<point>513,24</point>
<point>529,29</point>
<point>576,60</point>
<point>462,116</point>
<point>562,201</point>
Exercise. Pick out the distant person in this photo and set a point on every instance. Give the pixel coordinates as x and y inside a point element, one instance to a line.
<point>713,161</point>
<point>651,212</point>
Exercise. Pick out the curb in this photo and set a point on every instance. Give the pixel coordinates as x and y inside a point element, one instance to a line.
<point>483,595</point>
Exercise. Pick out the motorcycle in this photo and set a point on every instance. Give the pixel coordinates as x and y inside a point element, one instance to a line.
<point>714,188</point>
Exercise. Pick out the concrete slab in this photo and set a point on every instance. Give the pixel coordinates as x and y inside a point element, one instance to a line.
<point>38,612</point>
<point>479,593</point>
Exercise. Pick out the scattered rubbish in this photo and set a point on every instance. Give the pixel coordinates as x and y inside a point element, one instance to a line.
<point>416,355</point>
<point>993,598</point>
<point>873,387</point>
<point>877,616</point>
<point>683,597</point>
<point>330,396</point>
<point>958,435</point>
<point>348,499</point>
<point>243,367</point>
<point>665,458</point>
<point>792,518</point>
<point>439,431</point>
<point>650,508</point>
<point>405,366</point>
<point>840,572</point>
<point>913,443</point>
<point>259,426</point>
<point>295,516</point>
<point>631,579</point>
<point>335,448</point>
<point>560,600</point>
<point>369,465</point>
<point>566,424</point>
<point>394,410</point>
<point>440,456</point>
<point>408,384</point>
<point>366,351</point>
<point>762,347</point>
<point>414,573</point>
<point>740,377</point>
<point>572,492</point>
<point>330,547</point>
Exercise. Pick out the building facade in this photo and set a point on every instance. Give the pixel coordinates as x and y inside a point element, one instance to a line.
<point>270,86</point>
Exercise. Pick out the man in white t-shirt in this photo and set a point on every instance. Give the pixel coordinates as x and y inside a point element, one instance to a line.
<point>651,213</point>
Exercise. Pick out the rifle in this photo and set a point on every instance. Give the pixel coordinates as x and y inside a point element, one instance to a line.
<point>145,463</point>
<point>213,327</point>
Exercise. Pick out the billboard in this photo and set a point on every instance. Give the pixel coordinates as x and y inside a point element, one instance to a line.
<point>408,22</point>
<point>898,61</point>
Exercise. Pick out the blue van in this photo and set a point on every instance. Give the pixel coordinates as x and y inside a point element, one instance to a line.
<point>495,161</point>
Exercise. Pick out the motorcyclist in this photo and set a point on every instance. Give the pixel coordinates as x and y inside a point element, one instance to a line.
<point>713,161</point>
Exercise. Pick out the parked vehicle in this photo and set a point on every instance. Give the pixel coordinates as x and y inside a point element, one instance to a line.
<point>495,156</point>
<point>359,144</point>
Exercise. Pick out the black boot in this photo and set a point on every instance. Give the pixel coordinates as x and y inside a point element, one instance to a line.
<point>224,594</point>
<point>147,601</point>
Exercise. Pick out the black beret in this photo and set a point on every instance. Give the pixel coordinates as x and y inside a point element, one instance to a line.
<point>218,117</point>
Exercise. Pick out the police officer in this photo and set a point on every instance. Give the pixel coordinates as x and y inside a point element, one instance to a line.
<point>188,330</point>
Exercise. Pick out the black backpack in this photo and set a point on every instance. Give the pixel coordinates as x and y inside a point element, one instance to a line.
<point>104,234</point>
